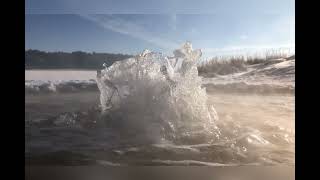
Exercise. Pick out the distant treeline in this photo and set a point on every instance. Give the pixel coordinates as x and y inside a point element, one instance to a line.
<point>35,59</point>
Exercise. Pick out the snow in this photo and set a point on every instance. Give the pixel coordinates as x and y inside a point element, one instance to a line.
<point>59,75</point>
<point>278,74</point>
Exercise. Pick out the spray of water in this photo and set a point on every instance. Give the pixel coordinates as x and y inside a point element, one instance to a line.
<point>158,97</point>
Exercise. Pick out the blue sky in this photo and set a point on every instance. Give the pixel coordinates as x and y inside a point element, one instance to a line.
<point>240,26</point>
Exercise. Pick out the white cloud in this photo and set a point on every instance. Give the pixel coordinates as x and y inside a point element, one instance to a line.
<point>281,31</point>
<point>128,28</point>
<point>174,21</point>
<point>193,30</point>
<point>243,37</point>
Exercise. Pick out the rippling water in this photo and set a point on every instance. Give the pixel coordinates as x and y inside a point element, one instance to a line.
<point>260,130</point>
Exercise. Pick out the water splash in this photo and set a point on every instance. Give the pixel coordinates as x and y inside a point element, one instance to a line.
<point>159,97</point>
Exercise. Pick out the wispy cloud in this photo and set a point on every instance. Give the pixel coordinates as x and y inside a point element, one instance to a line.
<point>174,21</point>
<point>243,37</point>
<point>129,28</point>
<point>280,36</point>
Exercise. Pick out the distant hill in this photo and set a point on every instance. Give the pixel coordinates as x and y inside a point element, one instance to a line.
<point>35,59</point>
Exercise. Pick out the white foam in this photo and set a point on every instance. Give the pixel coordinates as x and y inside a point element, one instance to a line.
<point>190,162</point>
<point>161,94</point>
